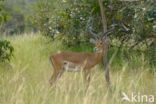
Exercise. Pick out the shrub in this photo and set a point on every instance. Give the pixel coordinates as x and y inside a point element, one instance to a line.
<point>6,50</point>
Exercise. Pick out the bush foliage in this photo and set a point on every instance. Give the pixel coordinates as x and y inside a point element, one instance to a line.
<point>6,50</point>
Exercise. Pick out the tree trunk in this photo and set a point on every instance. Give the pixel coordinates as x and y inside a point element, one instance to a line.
<point>105,58</point>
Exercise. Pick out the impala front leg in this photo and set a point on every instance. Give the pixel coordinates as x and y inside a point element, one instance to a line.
<point>87,77</point>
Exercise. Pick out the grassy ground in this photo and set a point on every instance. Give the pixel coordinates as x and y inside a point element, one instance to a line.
<point>25,80</point>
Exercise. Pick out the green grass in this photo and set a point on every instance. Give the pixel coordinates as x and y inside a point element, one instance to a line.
<point>25,80</point>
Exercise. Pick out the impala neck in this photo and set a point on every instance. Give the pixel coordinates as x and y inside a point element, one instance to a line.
<point>98,55</point>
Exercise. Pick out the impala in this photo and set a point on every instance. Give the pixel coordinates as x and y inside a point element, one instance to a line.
<point>77,61</point>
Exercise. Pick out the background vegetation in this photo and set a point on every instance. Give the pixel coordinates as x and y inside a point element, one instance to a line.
<point>70,20</point>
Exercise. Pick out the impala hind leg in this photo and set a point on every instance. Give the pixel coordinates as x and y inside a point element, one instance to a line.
<point>55,76</point>
<point>57,71</point>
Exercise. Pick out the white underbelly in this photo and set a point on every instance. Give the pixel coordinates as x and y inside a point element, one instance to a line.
<point>69,66</point>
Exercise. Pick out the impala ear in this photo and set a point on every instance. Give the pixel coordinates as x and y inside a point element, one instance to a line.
<point>92,41</point>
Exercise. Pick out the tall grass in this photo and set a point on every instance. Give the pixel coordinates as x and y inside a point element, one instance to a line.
<point>26,80</point>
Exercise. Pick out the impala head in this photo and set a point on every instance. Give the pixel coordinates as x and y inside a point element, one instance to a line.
<point>99,45</point>
<point>99,41</point>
